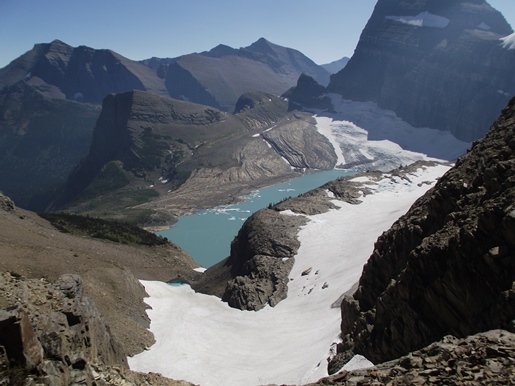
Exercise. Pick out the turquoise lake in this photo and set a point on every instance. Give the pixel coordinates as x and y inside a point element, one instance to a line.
<point>207,235</point>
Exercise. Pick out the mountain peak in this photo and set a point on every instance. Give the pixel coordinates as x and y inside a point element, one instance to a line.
<point>262,45</point>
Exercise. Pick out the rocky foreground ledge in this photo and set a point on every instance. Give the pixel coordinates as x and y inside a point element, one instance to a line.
<point>483,359</point>
<point>51,334</point>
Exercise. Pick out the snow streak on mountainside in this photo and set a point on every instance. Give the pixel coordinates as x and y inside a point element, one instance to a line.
<point>213,344</point>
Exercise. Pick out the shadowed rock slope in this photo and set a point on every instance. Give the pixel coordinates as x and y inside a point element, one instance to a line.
<point>41,140</point>
<point>448,265</point>
<point>436,63</point>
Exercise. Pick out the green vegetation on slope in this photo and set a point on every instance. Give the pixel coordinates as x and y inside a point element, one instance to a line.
<point>103,229</point>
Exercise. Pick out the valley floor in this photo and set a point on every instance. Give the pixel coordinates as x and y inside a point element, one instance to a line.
<point>202,340</point>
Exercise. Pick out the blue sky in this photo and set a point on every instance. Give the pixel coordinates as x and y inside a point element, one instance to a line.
<point>324,30</point>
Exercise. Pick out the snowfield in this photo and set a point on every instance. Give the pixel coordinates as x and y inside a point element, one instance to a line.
<point>366,137</point>
<point>202,340</point>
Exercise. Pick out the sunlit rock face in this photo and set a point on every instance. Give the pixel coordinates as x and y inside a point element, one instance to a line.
<point>436,63</point>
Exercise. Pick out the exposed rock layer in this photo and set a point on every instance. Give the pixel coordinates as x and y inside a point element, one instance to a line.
<point>447,266</point>
<point>158,146</point>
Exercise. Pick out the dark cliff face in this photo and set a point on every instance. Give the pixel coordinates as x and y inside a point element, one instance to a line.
<point>41,141</point>
<point>82,73</point>
<point>448,265</point>
<point>437,64</point>
<point>308,93</point>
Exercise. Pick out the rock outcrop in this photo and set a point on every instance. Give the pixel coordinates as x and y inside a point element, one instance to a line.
<point>260,262</point>
<point>31,247</point>
<point>308,93</point>
<point>51,334</point>
<point>448,265</point>
<point>482,359</point>
<point>438,64</point>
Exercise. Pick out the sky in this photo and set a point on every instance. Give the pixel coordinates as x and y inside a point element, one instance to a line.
<point>324,30</point>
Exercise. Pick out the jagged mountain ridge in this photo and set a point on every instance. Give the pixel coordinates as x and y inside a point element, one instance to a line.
<point>437,64</point>
<point>218,77</point>
<point>447,266</point>
<point>82,73</point>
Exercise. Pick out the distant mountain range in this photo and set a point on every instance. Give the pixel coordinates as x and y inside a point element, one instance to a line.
<point>51,96</point>
<point>218,77</point>
<point>436,64</point>
<point>337,65</point>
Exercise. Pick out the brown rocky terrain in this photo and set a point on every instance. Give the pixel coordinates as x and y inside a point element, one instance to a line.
<point>483,359</point>
<point>31,247</point>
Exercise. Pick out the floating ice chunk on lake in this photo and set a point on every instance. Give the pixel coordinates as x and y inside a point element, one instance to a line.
<point>423,19</point>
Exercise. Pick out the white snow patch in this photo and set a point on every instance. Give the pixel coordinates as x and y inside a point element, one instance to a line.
<point>423,19</point>
<point>508,42</point>
<point>200,269</point>
<point>202,340</point>
<point>360,179</point>
<point>256,135</point>
<point>325,127</point>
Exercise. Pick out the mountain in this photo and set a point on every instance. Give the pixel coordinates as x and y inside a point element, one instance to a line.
<point>447,266</point>
<point>149,147</point>
<point>41,141</point>
<point>82,73</point>
<point>439,64</point>
<point>336,66</point>
<point>218,77</point>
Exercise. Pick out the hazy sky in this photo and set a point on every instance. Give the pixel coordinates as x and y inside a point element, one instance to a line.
<point>324,30</point>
